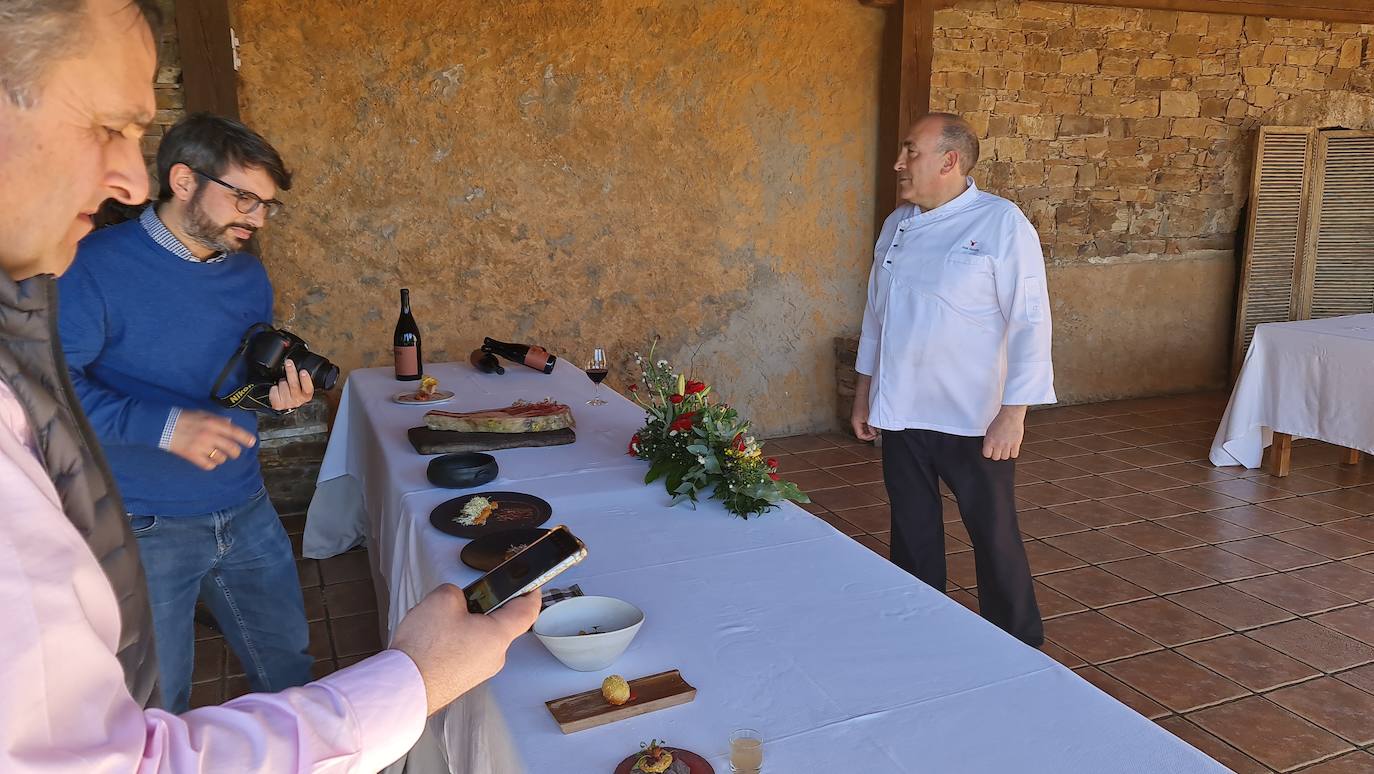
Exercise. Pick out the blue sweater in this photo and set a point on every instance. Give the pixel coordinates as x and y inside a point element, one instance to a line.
<point>145,331</point>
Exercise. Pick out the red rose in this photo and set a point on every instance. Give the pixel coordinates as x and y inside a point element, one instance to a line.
<point>683,422</point>
<point>694,386</point>
<point>739,442</point>
<point>634,388</point>
<point>675,399</point>
<point>634,445</point>
<point>773,463</point>
<point>773,476</point>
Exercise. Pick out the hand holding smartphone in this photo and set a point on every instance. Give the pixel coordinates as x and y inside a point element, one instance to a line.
<point>540,562</point>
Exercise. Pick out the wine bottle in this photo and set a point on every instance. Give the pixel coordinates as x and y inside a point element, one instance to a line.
<point>485,362</point>
<point>409,362</point>
<point>537,358</point>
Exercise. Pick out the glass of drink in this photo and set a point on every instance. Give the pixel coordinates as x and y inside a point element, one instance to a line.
<point>596,371</point>
<point>746,751</point>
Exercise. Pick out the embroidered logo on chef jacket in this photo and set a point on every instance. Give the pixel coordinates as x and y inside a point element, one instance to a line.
<point>971,248</point>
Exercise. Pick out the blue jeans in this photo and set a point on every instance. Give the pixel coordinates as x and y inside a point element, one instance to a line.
<point>239,560</point>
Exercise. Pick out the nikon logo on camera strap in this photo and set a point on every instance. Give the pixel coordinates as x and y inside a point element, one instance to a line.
<point>238,395</point>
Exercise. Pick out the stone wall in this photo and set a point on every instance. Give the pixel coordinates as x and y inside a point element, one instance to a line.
<point>290,451</point>
<point>1127,137</point>
<point>171,104</point>
<point>577,175</point>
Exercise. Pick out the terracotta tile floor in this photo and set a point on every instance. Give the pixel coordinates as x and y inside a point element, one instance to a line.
<point>1231,607</point>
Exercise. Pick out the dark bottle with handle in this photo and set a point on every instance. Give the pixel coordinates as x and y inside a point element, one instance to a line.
<point>410,363</point>
<point>485,362</point>
<point>529,355</point>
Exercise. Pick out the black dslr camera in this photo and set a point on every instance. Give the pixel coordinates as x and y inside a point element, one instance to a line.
<point>264,352</point>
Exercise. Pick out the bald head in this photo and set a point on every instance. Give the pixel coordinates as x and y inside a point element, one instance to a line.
<point>933,165</point>
<point>955,135</point>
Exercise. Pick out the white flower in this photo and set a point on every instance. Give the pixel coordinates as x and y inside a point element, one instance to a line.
<point>663,364</point>
<point>701,459</point>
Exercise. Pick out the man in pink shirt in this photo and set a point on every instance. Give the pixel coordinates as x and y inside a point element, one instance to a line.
<point>75,98</point>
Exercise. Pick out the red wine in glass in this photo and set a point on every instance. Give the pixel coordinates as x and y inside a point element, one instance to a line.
<point>596,371</point>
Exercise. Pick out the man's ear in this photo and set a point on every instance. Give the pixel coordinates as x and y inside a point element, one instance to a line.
<point>951,162</point>
<point>183,181</point>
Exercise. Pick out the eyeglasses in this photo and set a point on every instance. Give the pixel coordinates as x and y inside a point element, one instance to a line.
<point>246,202</point>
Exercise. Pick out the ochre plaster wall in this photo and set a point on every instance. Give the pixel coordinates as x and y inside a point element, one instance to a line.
<point>577,174</point>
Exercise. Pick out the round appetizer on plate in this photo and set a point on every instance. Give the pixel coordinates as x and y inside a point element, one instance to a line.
<point>655,758</point>
<point>427,394</point>
<point>475,515</point>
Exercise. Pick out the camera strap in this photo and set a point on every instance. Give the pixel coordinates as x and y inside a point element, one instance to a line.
<point>252,396</point>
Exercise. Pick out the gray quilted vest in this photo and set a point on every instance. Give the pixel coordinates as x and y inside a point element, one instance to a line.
<point>31,363</point>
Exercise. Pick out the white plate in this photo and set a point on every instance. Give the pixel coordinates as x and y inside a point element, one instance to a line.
<point>408,398</point>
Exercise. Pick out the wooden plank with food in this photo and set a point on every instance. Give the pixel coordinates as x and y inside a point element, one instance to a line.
<point>590,709</point>
<point>519,417</point>
<point>427,441</point>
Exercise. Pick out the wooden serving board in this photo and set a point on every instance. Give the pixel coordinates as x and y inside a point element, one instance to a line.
<point>650,694</point>
<point>427,441</point>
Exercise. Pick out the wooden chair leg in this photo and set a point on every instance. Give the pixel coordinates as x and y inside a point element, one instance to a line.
<point>1352,457</point>
<point>1281,454</point>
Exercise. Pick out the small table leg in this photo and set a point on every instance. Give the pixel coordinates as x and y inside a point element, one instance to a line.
<point>1352,457</point>
<point>1281,454</point>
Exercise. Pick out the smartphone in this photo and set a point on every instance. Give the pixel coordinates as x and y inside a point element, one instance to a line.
<point>540,561</point>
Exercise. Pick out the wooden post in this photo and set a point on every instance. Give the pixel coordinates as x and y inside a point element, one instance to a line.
<point>1281,454</point>
<point>208,78</point>
<point>918,51</point>
<point>1352,457</point>
<point>904,90</point>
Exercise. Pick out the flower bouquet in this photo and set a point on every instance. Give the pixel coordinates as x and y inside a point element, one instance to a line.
<point>698,446</point>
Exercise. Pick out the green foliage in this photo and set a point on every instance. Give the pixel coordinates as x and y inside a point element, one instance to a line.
<point>702,448</point>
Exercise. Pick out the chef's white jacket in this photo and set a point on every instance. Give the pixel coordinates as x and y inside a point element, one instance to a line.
<point>957,322</point>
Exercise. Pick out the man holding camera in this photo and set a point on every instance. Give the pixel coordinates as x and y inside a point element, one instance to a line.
<point>151,311</point>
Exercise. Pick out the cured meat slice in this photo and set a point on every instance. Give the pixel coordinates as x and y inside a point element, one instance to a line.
<point>519,417</point>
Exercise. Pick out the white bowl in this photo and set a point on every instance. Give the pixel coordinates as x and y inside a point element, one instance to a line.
<point>618,622</point>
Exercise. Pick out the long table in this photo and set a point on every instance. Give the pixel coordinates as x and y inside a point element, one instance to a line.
<point>1301,379</point>
<point>843,661</point>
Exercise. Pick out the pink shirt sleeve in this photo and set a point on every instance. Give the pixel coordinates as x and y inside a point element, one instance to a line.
<point>65,707</point>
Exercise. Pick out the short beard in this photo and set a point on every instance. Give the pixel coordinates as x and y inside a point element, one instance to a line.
<point>207,233</point>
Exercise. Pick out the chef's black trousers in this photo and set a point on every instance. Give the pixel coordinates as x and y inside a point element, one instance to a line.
<point>914,463</point>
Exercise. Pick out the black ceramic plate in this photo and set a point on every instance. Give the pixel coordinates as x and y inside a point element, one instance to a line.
<point>493,548</point>
<point>514,509</point>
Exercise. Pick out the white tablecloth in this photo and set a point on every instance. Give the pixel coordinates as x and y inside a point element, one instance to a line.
<point>1308,378</point>
<point>843,661</point>
<point>370,467</point>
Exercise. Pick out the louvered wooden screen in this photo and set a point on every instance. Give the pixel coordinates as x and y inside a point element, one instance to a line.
<point>1339,271</point>
<point>1275,231</point>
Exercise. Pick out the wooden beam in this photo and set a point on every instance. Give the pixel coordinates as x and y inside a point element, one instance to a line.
<point>208,79</point>
<point>908,49</point>
<point>918,52</point>
<point>1357,11</point>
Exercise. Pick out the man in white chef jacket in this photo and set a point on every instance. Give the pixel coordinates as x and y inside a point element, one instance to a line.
<point>955,347</point>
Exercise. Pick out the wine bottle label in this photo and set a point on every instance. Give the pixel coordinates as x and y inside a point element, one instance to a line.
<point>407,362</point>
<point>537,358</point>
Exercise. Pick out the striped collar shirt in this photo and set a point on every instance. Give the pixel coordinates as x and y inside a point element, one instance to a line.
<point>158,231</point>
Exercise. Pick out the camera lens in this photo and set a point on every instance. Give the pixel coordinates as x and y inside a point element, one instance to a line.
<point>323,374</point>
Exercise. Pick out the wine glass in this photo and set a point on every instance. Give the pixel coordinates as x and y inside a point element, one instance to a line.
<point>596,371</point>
